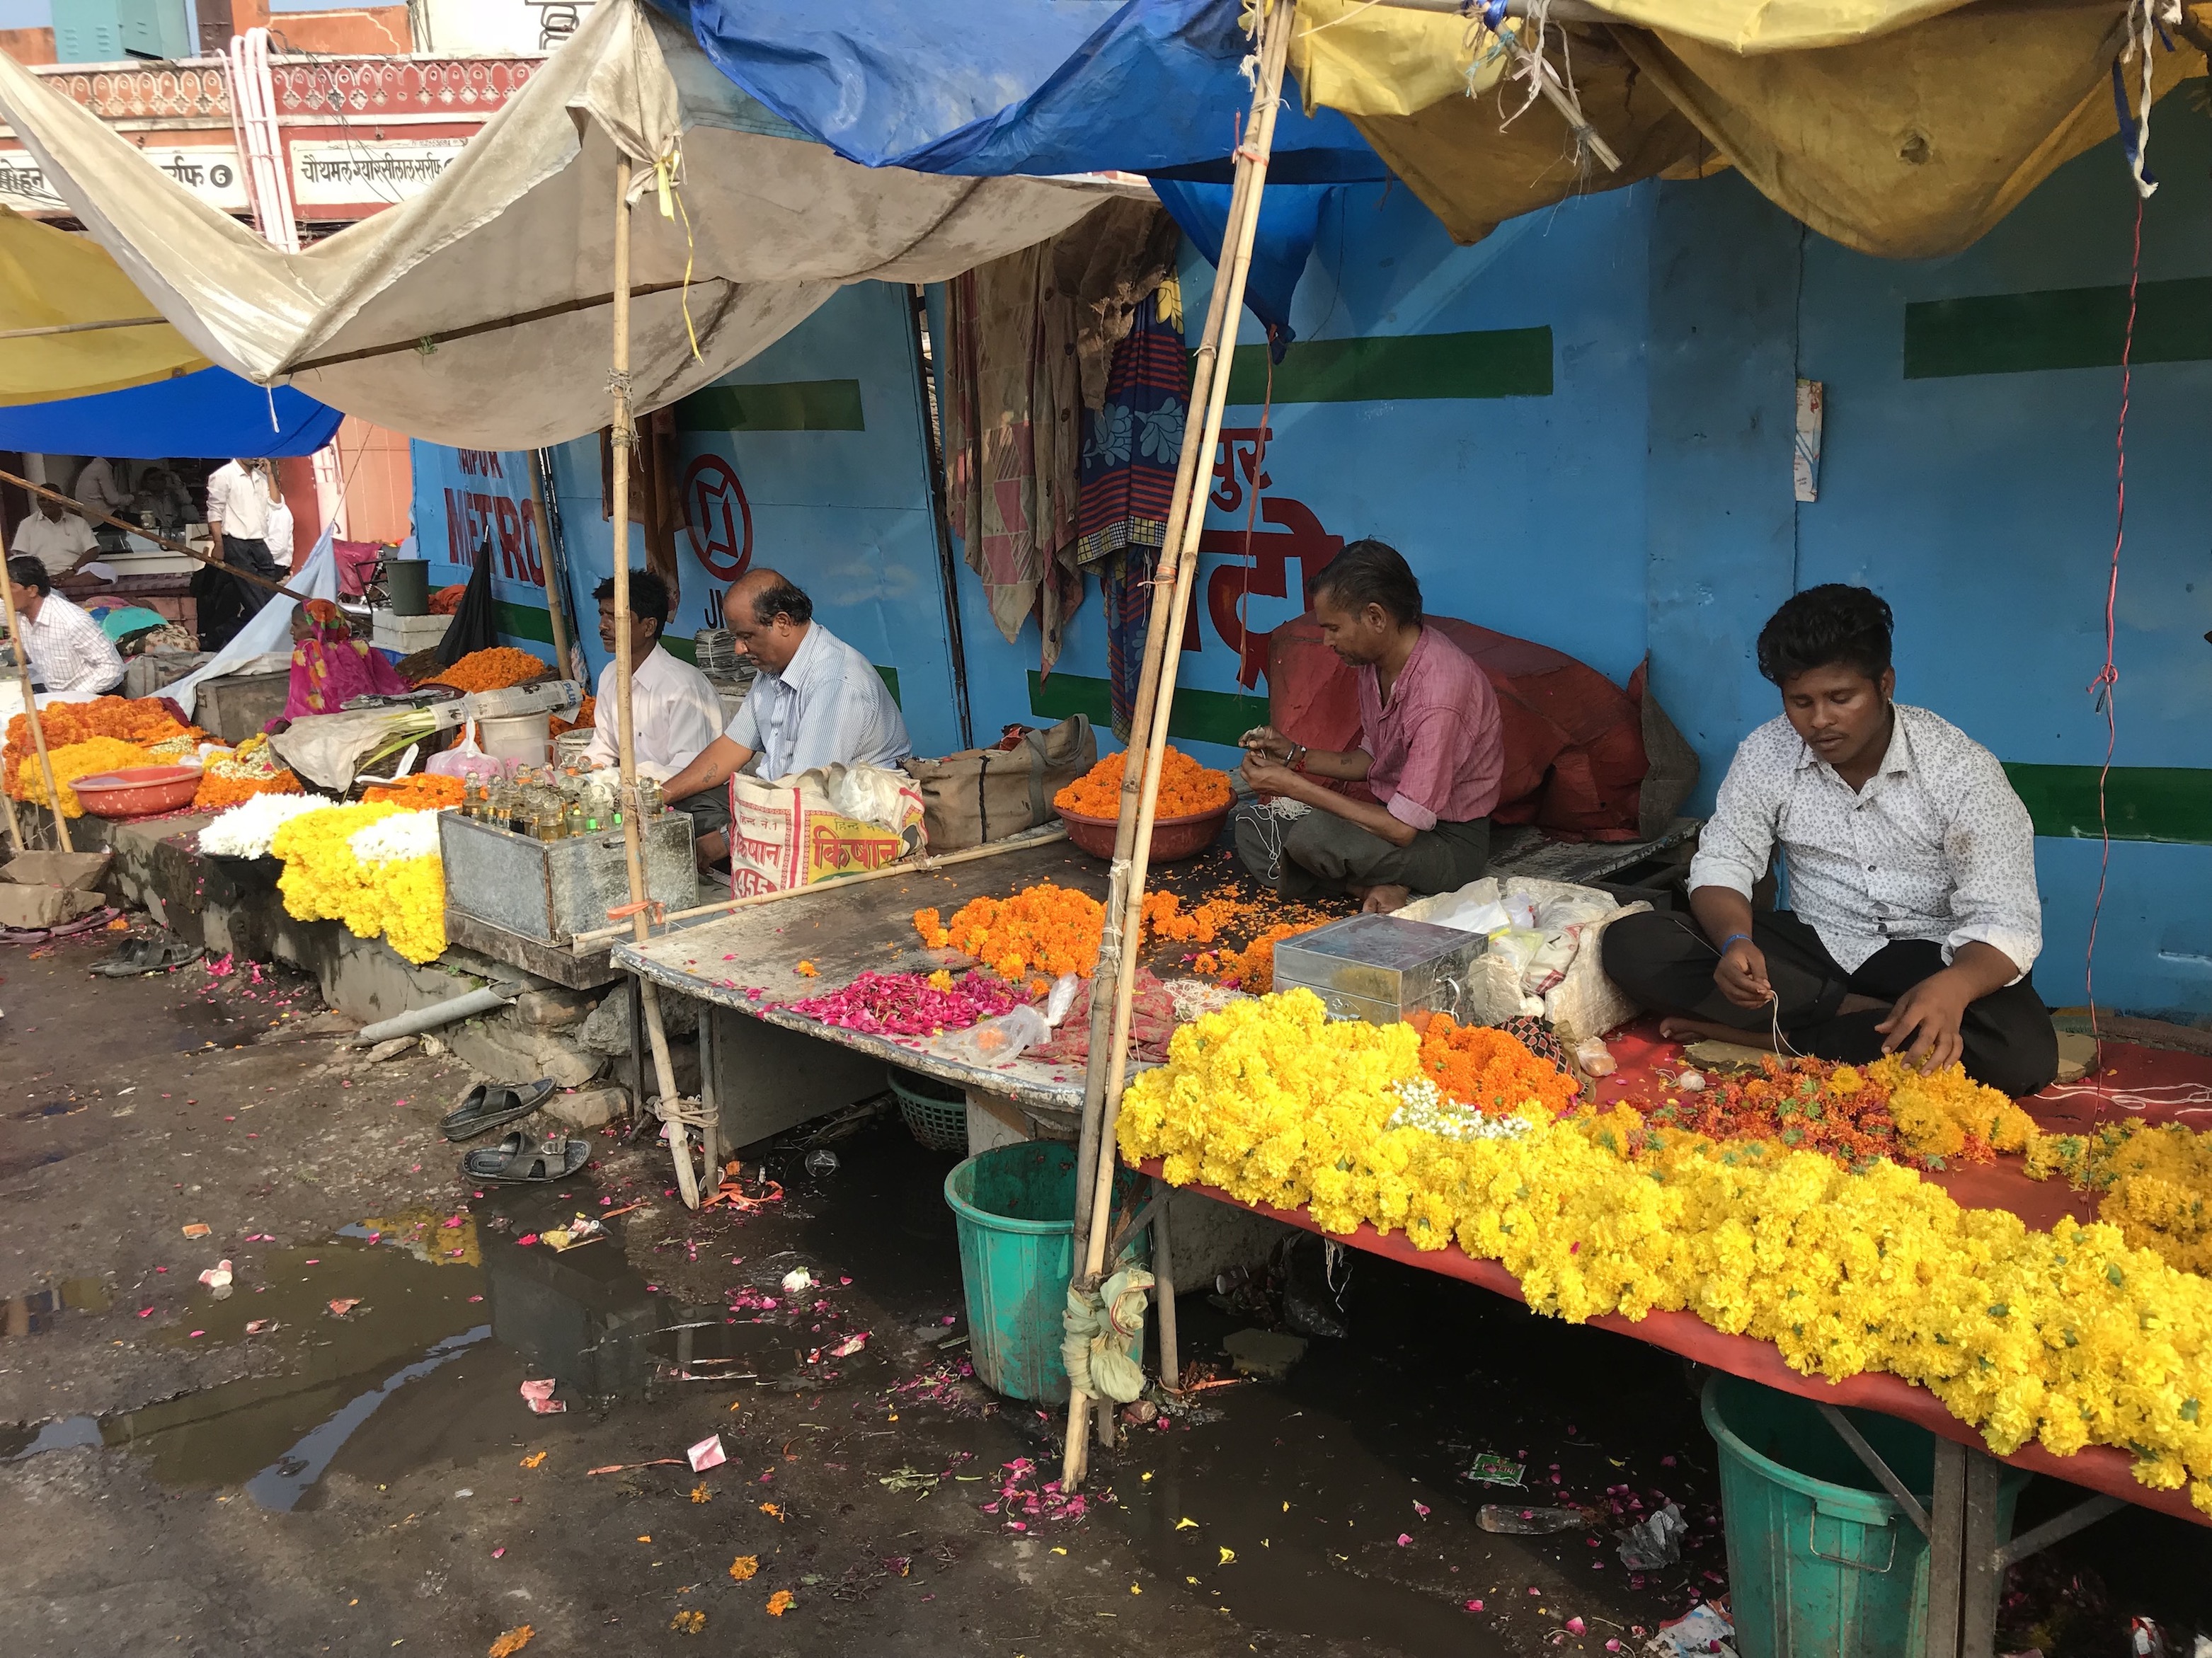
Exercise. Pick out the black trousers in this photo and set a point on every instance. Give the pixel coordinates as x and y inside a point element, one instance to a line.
<point>254,556</point>
<point>1666,962</point>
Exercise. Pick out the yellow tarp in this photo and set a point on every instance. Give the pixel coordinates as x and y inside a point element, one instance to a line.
<point>49,277</point>
<point>1904,128</point>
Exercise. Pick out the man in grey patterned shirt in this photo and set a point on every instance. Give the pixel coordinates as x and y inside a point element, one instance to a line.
<point>1910,863</point>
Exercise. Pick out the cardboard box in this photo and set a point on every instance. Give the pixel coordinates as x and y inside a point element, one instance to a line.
<point>45,889</point>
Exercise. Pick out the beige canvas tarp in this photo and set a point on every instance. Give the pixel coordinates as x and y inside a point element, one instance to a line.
<point>476,314</point>
<point>1904,128</point>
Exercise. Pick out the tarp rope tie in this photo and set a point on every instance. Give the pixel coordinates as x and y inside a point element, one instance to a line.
<point>690,1113</point>
<point>1097,1329</point>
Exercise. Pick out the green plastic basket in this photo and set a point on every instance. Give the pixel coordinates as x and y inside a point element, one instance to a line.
<point>936,1112</point>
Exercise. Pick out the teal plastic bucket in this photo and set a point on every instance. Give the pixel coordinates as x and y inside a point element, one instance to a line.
<point>1014,1206</point>
<point>1822,1563</point>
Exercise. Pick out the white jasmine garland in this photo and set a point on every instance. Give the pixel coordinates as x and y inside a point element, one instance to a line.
<point>246,829</point>
<point>395,838</point>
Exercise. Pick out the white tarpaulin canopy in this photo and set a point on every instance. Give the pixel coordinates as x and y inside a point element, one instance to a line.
<point>477,314</point>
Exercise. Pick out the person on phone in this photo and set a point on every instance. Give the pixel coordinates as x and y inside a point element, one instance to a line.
<point>1914,919</point>
<point>1432,753</point>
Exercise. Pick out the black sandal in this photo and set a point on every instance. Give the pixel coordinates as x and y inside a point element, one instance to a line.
<point>522,1159</point>
<point>490,1105</point>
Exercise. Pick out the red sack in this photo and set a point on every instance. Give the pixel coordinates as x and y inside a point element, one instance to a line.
<point>1574,744</point>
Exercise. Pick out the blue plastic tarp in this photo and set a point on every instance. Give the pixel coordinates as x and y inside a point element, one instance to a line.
<point>209,415</point>
<point>1290,221</point>
<point>995,87</point>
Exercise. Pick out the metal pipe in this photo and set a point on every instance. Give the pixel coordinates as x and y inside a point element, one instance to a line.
<point>429,1018</point>
<point>948,567</point>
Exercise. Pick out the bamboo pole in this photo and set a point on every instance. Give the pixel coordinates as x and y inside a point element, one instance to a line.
<point>83,511</point>
<point>551,565</point>
<point>1106,1069</point>
<point>38,726</point>
<point>623,440</point>
<point>581,943</point>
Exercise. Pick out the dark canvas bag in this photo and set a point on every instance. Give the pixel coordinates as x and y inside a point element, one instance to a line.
<point>980,795</point>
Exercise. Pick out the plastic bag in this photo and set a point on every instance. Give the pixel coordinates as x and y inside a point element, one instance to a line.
<point>1518,946</point>
<point>465,759</point>
<point>1004,1038</point>
<point>1654,1542</point>
<point>1551,963</point>
<point>1483,918</point>
<point>1521,911</point>
<point>1595,1058</point>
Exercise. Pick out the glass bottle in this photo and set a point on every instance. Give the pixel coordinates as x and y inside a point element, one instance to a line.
<point>574,815</point>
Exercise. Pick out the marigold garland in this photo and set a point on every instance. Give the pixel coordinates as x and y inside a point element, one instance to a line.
<point>1186,787</point>
<point>1253,968</point>
<point>493,670</point>
<point>142,720</point>
<point>403,901</point>
<point>1489,1070</point>
<point>220,791</point>
<point>1166,918</point>
<point>2069,1337</point>
<point>424,792</point>
<point>2156,1183</point>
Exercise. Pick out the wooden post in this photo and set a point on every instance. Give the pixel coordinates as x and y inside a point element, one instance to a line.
<point>38,726</point>
<point>623,440</point>
<point>551,561</point>
<point>1106,1069</point>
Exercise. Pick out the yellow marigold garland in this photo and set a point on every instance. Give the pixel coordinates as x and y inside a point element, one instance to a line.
<point>71,761</point>
<point>403,902</point>
<point>2071,1336</point>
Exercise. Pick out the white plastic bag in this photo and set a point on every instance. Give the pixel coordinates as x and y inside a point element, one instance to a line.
<point>1550,961</point>
<point>1004,1038</point>
<point>1518,946</point>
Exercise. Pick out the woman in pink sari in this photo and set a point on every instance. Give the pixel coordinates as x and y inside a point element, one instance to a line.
<point>329,666</point>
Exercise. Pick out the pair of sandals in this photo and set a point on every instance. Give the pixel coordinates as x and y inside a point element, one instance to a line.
<point>520,1158</point>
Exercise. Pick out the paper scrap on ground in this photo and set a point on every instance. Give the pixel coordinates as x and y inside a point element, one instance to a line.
<point>707,1453</point>
<point>539,1397</point>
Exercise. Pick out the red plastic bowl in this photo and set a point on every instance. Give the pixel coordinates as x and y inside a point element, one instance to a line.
<point>1172,837</point>
<point>138,791</point>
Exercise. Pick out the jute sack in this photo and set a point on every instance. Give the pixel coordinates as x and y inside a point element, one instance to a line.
<point>980,795</point>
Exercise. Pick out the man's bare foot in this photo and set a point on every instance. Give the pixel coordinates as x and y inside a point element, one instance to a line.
<point>1385,899</point>
<point>1691,1030</point>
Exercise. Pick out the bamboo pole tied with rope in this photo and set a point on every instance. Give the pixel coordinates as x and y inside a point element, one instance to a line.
<point>1113,986</point>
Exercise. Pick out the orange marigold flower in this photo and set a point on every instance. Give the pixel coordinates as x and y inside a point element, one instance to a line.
<point>1186,787</point>
<point>1490,1069</point>
<point>493,670</point>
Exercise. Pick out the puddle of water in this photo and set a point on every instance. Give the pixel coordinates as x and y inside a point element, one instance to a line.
<point>51,1109</point>
<point>34,1313</point>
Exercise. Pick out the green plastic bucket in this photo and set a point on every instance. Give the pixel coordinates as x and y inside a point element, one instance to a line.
<point>1014,1206</point>
<point>1822,1563</point>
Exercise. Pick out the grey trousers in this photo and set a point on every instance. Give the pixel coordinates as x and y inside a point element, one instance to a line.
<point>1322,853</point>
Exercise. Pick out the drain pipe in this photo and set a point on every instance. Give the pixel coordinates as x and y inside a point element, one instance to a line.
<point>491,997</point>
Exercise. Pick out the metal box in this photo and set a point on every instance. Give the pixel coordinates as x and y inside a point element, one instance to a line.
<point>1379,968</point>
<point>554,890</point>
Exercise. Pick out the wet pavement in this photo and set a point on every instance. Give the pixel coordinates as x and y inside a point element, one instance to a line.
<point>336,1454</point>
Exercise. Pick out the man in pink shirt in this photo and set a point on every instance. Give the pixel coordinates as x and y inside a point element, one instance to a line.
<point>1432,750</point>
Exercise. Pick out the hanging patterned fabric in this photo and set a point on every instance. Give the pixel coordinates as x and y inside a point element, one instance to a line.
<point>1010,440</point>
<point>1130,450</point>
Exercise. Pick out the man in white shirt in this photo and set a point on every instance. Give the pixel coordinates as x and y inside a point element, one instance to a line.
<point>56,536</point>
<point>816,701</point>
<point>99,486</point>
<point>238,499</point>
<point>1914,920</point>
<point>674,708</point>
<point>68,651</point>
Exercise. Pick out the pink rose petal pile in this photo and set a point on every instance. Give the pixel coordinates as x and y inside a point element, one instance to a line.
<point>908,1004</point>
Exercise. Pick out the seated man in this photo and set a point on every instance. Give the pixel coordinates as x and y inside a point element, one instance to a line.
<point>69,652</point>
<point>674,710</point>
<point>1911,871</point>
<point>1432,750</point>
<point>57,536</point>
<point>816,702</point>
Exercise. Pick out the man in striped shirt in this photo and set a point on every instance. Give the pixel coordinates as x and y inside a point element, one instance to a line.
<point>68,651</point>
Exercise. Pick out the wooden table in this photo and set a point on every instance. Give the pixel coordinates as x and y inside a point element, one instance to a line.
<point>747,962</point>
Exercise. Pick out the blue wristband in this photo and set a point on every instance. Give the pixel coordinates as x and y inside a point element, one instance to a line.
<point>1731,938</point>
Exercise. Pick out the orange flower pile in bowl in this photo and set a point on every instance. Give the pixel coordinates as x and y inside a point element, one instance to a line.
<point>1490,1069</point>
<point>1193,801</point>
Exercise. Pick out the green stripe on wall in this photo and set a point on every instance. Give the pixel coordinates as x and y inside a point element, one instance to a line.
<point>521,621</point>
<point>1200,716</point>
<point>779,406</point>
<point>2058,328</point>
<point>1501,362</point>
<point>2143,803</point>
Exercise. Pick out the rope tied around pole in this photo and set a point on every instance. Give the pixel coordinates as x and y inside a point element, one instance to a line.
<point>1097,1329</point>
<point>688,1112</point>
